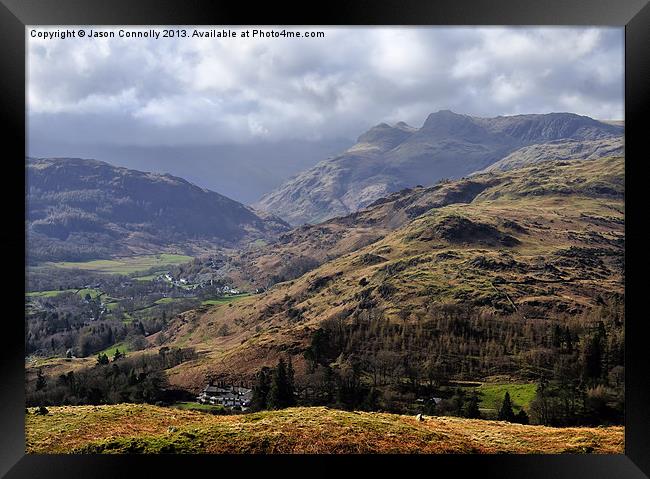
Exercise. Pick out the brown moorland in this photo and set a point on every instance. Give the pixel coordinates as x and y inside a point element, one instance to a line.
<point>131,428</point>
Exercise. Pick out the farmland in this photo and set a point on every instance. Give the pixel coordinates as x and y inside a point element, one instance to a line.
<point>110,352</point>
<point>126,265</point>
<point>492,395</point>
<point>225,299</point>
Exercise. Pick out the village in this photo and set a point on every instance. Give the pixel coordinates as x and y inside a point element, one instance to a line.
<point>91,303</point>
<point>229,396</point>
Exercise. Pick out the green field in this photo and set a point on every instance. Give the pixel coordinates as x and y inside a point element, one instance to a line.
<point>48,294</point>
<point>492,395</point>
<point>126,265</point>
<point>148,277</point>
<point>93,292</point>
<point>225,299</point>
<point>168,300</point>
<point>123,347</point>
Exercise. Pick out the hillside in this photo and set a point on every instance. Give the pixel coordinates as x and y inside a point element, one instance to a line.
<point>306,247</point>
<point>527,250</point>
<point>560,150</point>
<point>85,209</point>
<point>128,428</point>
<point>389,158</point>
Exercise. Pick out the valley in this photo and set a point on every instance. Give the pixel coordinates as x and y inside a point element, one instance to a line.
<point>328,240</point>
<point>496,296</point>
<point>436,299</point>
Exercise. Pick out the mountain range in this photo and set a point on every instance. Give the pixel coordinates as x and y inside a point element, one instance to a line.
<point>389,158</point>
<point>84,209</point>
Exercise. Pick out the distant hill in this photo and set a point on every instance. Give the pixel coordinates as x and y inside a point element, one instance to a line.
<point>388,158</point>
<point>82,209</point>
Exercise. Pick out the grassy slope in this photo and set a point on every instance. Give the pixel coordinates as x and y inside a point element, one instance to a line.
<point>492,395</point>
<point>110,351</point>
<point>128,428</point>
<point>225,299</point>
<point>553,207</point>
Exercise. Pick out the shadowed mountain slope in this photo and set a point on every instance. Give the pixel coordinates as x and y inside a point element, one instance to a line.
<point>82,209</point>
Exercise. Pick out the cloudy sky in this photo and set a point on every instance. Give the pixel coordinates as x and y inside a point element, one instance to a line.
<point>186,91</point>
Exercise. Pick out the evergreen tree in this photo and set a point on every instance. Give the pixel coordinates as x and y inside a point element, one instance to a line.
<point>568,340</point>
<point>102,358</point>
<point>330,385</point>
<point>592,357</point>
<point>261,389</point>
<point>458,401</point>
<point>278,397</point>
<point>291,398</point>
<point>557,337</point>
<point>472,411</point>
<point>40,380</point>
<point>506,413</point>
<point>117,354</point>
<point>521,417</point>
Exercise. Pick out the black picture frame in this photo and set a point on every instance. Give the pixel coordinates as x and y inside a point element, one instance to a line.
<point>16,14</point>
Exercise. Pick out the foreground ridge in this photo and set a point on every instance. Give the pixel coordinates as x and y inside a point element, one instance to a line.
<point>131,428</point>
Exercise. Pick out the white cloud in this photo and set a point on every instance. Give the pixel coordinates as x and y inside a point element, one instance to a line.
<point>170,91</point>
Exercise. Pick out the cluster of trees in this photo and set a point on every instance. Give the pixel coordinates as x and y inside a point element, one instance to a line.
<point>293,268</point>
<point>368,361</point>
<point>124,379</point>
<point>102,358</point>
<point>56,333</point>
<point>506,413</point>
<point>274,388</point>
<point>571,401</point>
<point>51,278</point>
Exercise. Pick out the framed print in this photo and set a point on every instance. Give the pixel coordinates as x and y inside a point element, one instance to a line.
<point>400,234</point>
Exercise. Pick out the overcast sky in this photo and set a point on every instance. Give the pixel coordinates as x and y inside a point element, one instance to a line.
<point>211,91</point>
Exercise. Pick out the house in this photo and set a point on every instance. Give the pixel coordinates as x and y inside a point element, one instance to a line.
<point>228,396</point>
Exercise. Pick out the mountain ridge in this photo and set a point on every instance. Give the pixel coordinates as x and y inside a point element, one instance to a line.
<point>389,158</point>
<point>85,209</point>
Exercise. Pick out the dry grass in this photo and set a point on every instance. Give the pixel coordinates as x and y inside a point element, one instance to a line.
<point>128,428</point>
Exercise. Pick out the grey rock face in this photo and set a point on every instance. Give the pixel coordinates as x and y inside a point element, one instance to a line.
<point>448,145</point>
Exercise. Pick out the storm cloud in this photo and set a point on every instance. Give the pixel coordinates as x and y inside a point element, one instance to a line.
<point>197,91</point>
